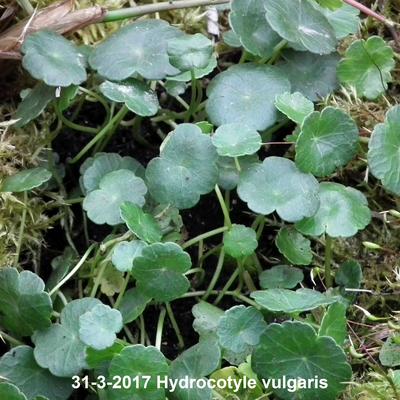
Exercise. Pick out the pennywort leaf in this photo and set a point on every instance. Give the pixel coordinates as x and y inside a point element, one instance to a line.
<point>334,323</point>
<point>124,254</point>
<point>240,241</point>
<point>25,180</point>
<point>281,277</point>
<point>294,105</point>
<point>294,246</point>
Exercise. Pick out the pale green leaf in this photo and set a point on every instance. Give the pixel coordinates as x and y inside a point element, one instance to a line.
<point>25,180</point>
<point>240,241</point>
<point>389,356</point>
<point>198,72</point>
<point>294,246</point>
<point>281,277</point>
<point>124,254</point>
<point>334,323</point>
<point>277,185</point>
<point>294,105</point>
<point>343,212</point>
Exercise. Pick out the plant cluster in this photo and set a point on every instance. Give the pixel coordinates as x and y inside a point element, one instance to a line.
<point>87,317</point>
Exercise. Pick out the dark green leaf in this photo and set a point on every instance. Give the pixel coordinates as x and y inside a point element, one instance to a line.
<point>281,277</point>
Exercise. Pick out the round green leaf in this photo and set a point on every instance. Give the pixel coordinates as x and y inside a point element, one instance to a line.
<point>102,205</point>
<point>139,361</point>
<point>185,169</point>
<point>98,326</point>
<point>301,354</point>
<point>198,73</point>
<point>189,52</point>
<point>100,359</point>
<point>299,22</point>
<point>349,275</point>
<point>294,105</point>
<point>133,304</point>
<point>344,20</point>
<point>159,271</point>
<point>281,277</point>
<point>248,22</point>
<point>228,172</point>
<point>240,329</point>
<point>34,103</point>
<point>124,254</point>
<point>343,212</point>
<point>53,59</point>
<point>10,392</point>
<point>25,180</point>
<point>93,170</point>
<point>136,95</point>
<point>19,367</point>
<point>277,185</point>
<point>294,246</point>
<point>310,74</point>
<point>245,93</point>
<point>334,323</point>
<point>328,140</point>
<point>206,319</point>
<point>59,347</point>
<point>231,38</point>
<point>367,66</point>
<point>140,47</point>
<point>384,150</point>
<point>240,241</point>
<point>289,301</point>
<point>24,305</point>
<point>389,356</point>
<point>143,225</point>
<point>195,363</point>
<point>235,140</point>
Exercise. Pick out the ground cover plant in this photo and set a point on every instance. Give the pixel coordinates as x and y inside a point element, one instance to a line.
<point>198,212</point>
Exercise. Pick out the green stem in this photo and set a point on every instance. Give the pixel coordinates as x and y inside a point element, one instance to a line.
<point>175,325</point>
<point>98,279</point>
<point>107,128</point>
<point>216,275</point>
<point>21,230</point>
<point>277,51</point>
<point>192,106</point>
<point>328,261</point>
<point>73,270</point>
<point>73,125</point>
<point>132,12</point>
<point>99,98</point>
<point>122,292</point>
<point>228,284</point>
<point>142,330</point>
<point>12,340</point>
<point>160,327</point>
<point>203,236</point>
<point>224,207</point>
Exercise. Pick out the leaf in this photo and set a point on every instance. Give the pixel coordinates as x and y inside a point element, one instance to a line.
<point>53,59</point>
<point>231,38</point>
<point>281,277</point>
<point>102,205</point>
<point>343,212</point>
<point>235,140</point>
<point>24,306</point>
<point>133,304</point>
<point>143,225</point>
<point>112,281</point>
<point>334,323</point>
<point>344,20</point>
<point>185,169</point>
<point>301,354</point>
<point>25,180</point>
<point>19,367</point>
<point>195,363</point>
<point>67,96</point>
<point>299,22</point>
<point>190,52</point>
<point>312,75</point>
<point>10,392</point>
<point>34,103</point>
<point>228,172</point>
<point>367,66</point>
<point>124,254</point>
<point>137,48</point>
<point>142,361</point>
<point>384,149</point>
<point>240,241</point>
<point>245,93</point>
<point>289,301</point>
<point>389,356</point>
<point>159,271</point>
<point>98,326</point>
<point>330,4</point>
<point>93,170</point>
<point>198,72</point>
<point>58,347</point>
<point>294,105</point>
<point>101,358</point>
<point>136,95</point>
<point>328,140</point>
<point>240,329</point>
<point>294,246</point>
<point>61,265</point>
<point>248,22</point>
<point>349,275</point>
<point>277,185</point>
<point>206,319</point>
